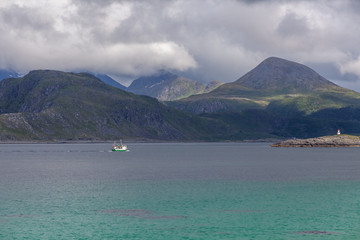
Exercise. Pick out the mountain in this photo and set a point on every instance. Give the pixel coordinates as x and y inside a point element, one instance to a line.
<point>279,98</point>
<point>108,80</point>
<point>8,74</point>
<point>167,86</point>
<point>52,105</point>
<point>276,84</point>
<point>103,77</point>
<point>283,76</point>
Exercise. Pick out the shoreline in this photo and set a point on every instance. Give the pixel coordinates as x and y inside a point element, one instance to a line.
<point>325,141</point>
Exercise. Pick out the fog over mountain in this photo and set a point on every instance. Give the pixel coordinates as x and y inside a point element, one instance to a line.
<point>202,40</point>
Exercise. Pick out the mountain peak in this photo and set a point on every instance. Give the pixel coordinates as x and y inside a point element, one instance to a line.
<point>163,72</point>
<point>277,74</point>
<point>151,80</point>
<point>165,86</point>
<point>276,60</point>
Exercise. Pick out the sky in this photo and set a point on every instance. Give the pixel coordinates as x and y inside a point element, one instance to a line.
<point>201,39</point>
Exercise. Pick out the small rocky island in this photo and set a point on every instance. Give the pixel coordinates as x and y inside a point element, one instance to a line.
<point>342,140</point>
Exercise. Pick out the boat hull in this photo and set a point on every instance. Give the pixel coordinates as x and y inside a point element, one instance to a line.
<point>119,150</point>
<point>119,147</point>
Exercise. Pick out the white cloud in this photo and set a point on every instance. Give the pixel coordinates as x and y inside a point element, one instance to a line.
<point>114,14</point>
<point>352,66</point>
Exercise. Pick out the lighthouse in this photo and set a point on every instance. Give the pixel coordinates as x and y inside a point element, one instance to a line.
<point>338,132</point>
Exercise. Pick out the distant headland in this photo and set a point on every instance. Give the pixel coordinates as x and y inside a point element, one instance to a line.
<point>342,140</point>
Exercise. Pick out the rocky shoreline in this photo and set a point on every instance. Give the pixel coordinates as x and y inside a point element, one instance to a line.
<point>326,141</point>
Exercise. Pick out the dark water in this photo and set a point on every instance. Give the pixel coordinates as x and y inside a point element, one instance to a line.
<point>179,191</point>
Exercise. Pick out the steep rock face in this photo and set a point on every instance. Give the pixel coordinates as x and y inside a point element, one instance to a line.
<point>51,105</point>
<point>166,86</point>
<point>179,88</point>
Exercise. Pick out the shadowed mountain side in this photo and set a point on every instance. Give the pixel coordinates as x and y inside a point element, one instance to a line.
<point>108,80</point>
<point>8,74</point>
<point>263,124</point>
<point>50,105</point>
<point>199,105</point>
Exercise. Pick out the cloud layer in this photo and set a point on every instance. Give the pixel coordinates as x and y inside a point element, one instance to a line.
<point>209,39</point>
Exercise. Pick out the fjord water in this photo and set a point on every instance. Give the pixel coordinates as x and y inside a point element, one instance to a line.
<point>178,191</point>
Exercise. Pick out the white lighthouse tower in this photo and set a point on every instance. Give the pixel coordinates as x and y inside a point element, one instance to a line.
<point>338,132</point>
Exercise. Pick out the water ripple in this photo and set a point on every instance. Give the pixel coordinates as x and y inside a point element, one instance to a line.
<point>140,213</point>
<point>315,232</point>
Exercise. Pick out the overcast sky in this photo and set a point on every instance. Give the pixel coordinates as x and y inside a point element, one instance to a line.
<point>205,39</point>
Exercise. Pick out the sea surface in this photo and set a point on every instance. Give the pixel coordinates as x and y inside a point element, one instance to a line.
<point>179,191</point>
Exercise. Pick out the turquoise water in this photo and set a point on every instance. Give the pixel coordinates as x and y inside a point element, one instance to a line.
<point>178,191</point>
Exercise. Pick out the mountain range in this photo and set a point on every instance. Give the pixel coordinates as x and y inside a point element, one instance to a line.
<point>277,99</point>
<point>51,105</point>
<point>163,85</point>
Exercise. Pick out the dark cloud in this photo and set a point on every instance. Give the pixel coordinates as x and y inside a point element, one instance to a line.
<point>332,72</point>
<point>209,40</point>
<point>23,19</point>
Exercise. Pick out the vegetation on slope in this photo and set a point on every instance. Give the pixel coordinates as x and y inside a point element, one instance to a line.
<point>279,98</point>
<point>276,85</point>
<point>55,105</point>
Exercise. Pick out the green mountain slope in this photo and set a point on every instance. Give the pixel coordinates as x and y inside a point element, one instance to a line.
<point>166,86</point>
<point>279,98</point>
<point>275,84</point>
<point>50,105</point>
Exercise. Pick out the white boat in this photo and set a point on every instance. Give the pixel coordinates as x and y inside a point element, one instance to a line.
<point>119,147</point>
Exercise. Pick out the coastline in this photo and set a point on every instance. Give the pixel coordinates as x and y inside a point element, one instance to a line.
<point>342,140</point>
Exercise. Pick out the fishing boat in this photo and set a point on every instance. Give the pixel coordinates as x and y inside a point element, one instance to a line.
<point>119,147</point>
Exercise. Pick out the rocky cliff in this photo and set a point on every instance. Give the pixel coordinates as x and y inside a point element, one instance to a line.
<point>166,86</point>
